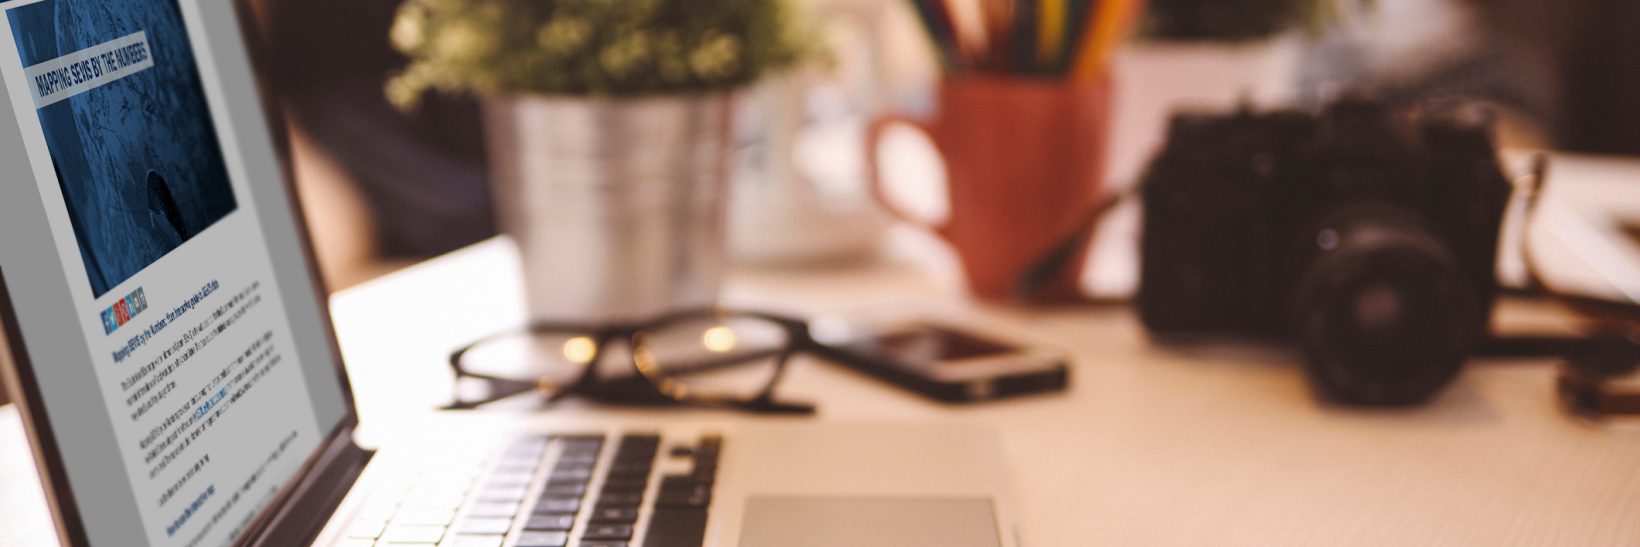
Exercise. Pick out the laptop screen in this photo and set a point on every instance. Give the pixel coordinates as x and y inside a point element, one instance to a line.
<point>175,348</point>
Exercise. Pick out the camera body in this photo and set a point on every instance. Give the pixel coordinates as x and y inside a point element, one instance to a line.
<point>1365,234</point>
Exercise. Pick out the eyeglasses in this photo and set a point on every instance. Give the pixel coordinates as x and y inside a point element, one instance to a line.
<point>708,357</point>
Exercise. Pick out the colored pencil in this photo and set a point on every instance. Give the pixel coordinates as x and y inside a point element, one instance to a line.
<point>1076,30</point>
<point>1110,26</point>
<point>1022,50</point>
<point>1050,33</point>
<point>999,20</point>
<point>1053,38</point>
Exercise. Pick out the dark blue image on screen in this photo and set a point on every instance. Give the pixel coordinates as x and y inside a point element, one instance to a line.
<point>137,158</point>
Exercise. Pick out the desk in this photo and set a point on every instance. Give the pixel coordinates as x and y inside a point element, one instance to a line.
<point>1150,446</point>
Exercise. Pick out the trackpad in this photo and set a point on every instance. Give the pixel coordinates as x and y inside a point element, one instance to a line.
<point>811,521</point>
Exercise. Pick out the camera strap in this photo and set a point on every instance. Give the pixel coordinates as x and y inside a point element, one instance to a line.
<point>1034,283</point>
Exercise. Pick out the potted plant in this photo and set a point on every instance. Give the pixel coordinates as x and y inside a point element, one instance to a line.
<point>607,123</point>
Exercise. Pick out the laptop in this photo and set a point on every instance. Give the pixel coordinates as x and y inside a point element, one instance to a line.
<point>171,354</point>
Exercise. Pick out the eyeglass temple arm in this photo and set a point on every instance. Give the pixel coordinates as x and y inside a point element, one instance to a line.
<point>771,406</point>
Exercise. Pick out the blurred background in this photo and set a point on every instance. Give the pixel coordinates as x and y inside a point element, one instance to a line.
<point>383,188</point>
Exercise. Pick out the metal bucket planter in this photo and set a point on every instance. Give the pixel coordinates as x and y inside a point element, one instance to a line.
<point>616,205</point>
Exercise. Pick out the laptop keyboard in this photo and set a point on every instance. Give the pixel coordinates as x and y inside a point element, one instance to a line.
<point>513,498</point>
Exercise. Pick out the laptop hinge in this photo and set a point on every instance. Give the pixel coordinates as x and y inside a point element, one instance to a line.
<point>299,513</point>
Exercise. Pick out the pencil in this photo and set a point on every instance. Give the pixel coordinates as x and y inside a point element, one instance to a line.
<point>1110,24</point>
<point>998,33</point>
<point>1050,33</point>
<point>1076,30</point>
<point>1022,50</point>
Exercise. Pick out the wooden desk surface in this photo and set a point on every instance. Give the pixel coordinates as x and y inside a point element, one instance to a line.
<point>1150,446</point>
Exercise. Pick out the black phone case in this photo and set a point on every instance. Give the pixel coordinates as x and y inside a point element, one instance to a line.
<point>865,358</point>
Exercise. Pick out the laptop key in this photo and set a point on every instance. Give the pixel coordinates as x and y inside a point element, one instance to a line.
<point>503,493</point>
<point>510,478</point>
<point>527,446</point>
<point>583,440</point>
<point>441,487</point>
<point>710,445</point>
<point>615,514</point>
<point>626,485</point>
<point>566,483</point>
<point>683,499</point>
<point>578,452</point>
<point>557,505</point>
<point>564,490</point>
<point>473,541</point>
<point>482,525</point>
<point>603,544</point>
<point>607,531</point>
<point>578,458</point>
<point>637,449</point>
<point>682,482</point>
<point>493,509</point>
<point>433,501</point>
<point>413,534</point>
<point>650,441</point>
<point>570,473</point>
<point>626,469</point>
<point>518,465</point>
<point>521,457</point>
<point>676,527</point>
<point>542,539</point>
<point>550,522</point>
<point>620,499</point>
<point>425,517</point>
<point>683,491</point>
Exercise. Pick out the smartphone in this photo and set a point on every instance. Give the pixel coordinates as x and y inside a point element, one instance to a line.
<point>952,364</point>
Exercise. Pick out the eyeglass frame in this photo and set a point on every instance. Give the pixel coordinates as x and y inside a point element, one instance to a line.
<point>664,388</point>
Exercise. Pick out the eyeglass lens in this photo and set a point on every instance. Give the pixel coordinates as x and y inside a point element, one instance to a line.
<point>707,356</point>
<point>734,357</point>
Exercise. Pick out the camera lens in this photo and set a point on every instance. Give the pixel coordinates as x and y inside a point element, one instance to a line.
<point>1383,310</point>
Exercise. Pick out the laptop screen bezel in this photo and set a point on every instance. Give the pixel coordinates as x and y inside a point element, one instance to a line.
<point>19,369</point>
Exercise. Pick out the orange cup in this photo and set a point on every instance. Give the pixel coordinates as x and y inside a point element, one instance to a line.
<point>1024,160</point>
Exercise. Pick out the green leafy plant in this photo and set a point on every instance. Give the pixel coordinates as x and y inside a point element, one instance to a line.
<point>590,47</point>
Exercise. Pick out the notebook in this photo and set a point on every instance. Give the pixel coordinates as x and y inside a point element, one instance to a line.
<point>170,350</point>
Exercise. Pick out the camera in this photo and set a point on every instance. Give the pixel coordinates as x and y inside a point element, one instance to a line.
<point>1365,234</point>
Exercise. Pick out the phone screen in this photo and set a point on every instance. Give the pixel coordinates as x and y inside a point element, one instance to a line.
<point>929,344</point>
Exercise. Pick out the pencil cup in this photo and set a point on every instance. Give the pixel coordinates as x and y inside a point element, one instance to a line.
<point>1024,159</point>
